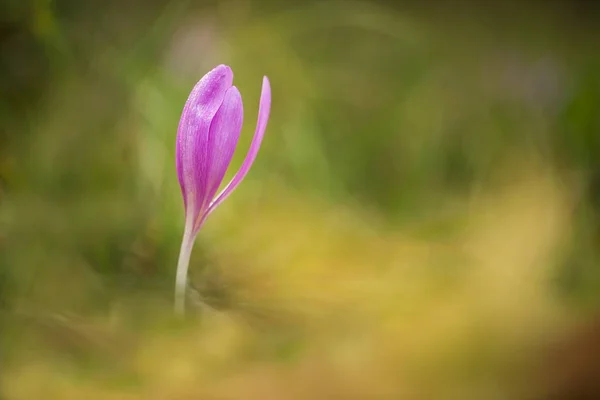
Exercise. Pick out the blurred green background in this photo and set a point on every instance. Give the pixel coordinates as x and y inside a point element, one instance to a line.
<point>422,221</point>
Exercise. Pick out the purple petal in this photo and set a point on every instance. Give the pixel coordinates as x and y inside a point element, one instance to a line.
<point>222,140</point>
<point>192,135</point>
<point>261,125</point>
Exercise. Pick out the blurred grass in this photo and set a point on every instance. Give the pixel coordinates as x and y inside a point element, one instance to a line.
<point>421,223</point>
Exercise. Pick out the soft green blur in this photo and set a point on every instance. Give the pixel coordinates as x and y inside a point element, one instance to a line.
<point>422,221</point>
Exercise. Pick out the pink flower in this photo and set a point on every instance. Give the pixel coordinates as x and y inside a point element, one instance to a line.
<point>207,136</point>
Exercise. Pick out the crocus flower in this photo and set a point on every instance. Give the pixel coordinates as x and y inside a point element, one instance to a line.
<point>207,136</point>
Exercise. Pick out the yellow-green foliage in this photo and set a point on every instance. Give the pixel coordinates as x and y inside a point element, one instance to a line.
<point>325,302</point>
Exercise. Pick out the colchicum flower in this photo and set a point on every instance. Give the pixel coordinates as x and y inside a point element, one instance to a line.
<point>207,136</point>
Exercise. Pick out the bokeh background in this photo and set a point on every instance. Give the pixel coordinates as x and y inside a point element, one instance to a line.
<point>422,221</point>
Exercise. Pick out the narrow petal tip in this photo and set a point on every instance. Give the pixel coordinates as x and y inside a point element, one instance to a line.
<point>264,109</point>
<point>266,88</point>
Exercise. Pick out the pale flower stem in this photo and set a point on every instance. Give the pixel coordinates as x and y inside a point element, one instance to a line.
<point>182,270</point>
